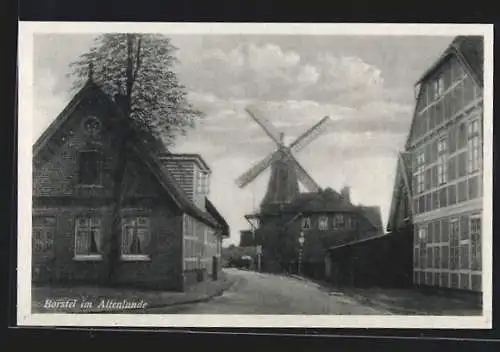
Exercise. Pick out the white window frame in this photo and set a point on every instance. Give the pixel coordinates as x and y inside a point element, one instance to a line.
<point>476,217</point>
<point>323,223</point>
<point>473,146</point>
<point>420,171</point>
<point>147,225</point>
<point>422,233</point>
<point>454,221</point>
<point>95,223</point>
<point>442,169</point>
<point>438,87</point>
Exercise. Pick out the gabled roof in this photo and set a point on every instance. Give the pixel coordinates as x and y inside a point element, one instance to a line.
<point>469,50</point>
<point>327,201</point>
<point>146,147</point>
<point>373,215</point>
<point>60,120</point>
<point>212,210</point>
<point>398,191</point>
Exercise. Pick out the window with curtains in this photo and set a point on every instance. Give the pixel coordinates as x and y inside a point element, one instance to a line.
<point>323,223</point>
<point>88,236</point>
<point>135,236</point>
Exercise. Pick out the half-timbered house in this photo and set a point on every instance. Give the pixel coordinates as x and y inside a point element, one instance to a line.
<point>442,200</point>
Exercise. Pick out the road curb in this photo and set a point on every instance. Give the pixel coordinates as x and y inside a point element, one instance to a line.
<point>202,299</point>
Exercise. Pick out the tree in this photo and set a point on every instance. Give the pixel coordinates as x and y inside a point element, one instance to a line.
<point>136,70</point>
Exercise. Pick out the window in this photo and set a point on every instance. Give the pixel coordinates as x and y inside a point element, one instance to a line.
<point>445,250</point>
<point>468,90</point>
<point>462,164</point>
<point>338,221</point>
<point>88,237</point>
<point>430,232</point>
<point>422,234</point>
<point>323,223</point>
<point>416,257</point>
<point>435,200</point>
<point>430,253</point>
<point>420,173</point>
<point>437,231</point>
<point>464,256</point>
<point>452,168</point>
<point>462,136</point>
<point>473,187</point>
<point>135,237</point>
<point>462,191</point>
<point>475,239</point>
<point>202,183</point>
<point>438,87</point>
<point>473,148</point>
<point>437,257</point>
<point>306,223</point>
<point>443,199</point>
<point>454,242</point>
<point>43,234</point>
<point>89,167</point>
<point>452,194</point>
<point>442,167</point>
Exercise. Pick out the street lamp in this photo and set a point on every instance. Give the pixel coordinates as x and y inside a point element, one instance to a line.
<point>301,243</point>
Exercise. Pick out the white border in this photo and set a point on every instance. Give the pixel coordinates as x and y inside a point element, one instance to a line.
<point>25,56</point>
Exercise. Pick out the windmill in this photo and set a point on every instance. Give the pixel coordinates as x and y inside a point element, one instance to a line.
<point>286,171</point>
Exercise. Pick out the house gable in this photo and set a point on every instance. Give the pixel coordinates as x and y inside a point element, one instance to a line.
<point>56,154</point>
<point>59,152</point>
<point>454,80</point>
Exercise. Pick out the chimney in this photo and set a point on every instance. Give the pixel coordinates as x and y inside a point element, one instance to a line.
<point>346,193</point>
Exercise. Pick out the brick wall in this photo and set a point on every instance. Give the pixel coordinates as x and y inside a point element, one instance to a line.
<point>56,193</point>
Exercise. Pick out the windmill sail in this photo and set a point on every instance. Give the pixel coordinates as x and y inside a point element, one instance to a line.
<point>310,135</point>
<point>267,127</point>
<point>256,170</point>
<point>302,175</point>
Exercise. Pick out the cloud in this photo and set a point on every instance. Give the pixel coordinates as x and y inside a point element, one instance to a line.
<point>266,71</point>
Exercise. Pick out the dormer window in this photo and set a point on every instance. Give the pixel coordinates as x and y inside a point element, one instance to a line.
<point>89,165</point>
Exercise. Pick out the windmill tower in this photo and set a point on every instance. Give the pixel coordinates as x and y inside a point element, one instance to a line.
<point>286,171</point>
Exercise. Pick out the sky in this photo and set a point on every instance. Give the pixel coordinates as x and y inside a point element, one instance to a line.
<point>364,84</point>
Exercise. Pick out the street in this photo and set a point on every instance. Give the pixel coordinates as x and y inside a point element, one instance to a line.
<point>259,293</point>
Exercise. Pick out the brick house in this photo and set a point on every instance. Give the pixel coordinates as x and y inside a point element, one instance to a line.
<point>326,219</point>
<point>442,201</point>
<point>171,233</point>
